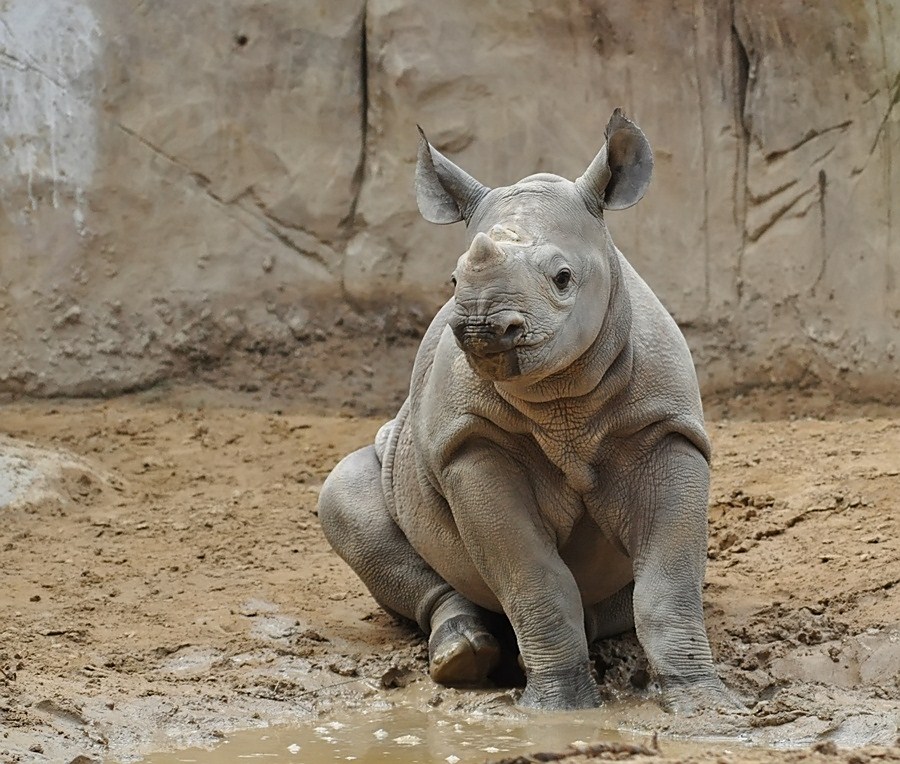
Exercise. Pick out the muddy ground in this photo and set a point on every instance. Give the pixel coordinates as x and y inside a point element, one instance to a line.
<point>171,583</point>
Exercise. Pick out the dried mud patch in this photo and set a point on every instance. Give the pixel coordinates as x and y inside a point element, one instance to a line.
<point>186,590</point>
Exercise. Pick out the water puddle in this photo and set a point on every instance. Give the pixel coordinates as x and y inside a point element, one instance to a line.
<point>409,734</point>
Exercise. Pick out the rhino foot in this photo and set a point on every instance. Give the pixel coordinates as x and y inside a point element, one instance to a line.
<point>462,652</point>
<point>561,690</point>
<point>697,698</point>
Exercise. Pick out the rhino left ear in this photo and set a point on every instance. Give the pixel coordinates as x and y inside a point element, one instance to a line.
<point>444,192</point>
<point>620,173</point>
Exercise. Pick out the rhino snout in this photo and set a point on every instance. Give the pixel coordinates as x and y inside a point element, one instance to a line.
<point>488,335</point>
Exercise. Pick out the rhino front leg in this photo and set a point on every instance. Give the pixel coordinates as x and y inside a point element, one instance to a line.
<point>668,540</point>
<point>495,510</point>
<point>357,524</point>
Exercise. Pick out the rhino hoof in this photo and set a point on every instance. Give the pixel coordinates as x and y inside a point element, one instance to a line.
<point>702,697</point>
<point>561,690</point>
<point>462,652</point>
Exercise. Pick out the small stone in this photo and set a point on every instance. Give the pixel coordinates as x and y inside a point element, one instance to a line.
<point>36,748</point>
<point>396,677</point>
<point>640,678</point>
<point>71,316</point>
<point>293,748</point>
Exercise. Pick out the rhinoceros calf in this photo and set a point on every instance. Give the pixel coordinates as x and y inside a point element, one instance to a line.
<point>550,462</point>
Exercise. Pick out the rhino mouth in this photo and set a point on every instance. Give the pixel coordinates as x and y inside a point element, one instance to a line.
<point>495,366</point>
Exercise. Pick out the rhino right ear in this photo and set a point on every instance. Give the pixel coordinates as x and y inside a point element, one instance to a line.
<point>619,175</point>
<point>444,192</point>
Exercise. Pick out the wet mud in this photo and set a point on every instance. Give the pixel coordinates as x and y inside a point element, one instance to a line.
<point>165,584</point>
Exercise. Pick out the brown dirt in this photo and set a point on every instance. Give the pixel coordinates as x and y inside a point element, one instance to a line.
<point>177,586</point>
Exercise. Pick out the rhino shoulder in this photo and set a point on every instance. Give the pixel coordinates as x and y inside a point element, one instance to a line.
<point>425,354</point>
<point>664,386</point>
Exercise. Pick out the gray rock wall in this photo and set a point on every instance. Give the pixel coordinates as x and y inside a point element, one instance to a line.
<point>183,180</point>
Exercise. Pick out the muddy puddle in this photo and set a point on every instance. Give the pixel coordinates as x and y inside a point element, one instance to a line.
<point>409,734</point>
<point>423,724</point>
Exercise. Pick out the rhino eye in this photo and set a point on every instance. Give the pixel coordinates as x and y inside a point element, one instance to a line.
<point>562,278</point>
<point>453,279</point>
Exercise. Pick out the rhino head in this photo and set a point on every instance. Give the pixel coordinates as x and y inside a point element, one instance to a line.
<point>534,286</point>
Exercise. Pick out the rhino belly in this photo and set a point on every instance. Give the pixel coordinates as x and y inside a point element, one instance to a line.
<point>599,566</point>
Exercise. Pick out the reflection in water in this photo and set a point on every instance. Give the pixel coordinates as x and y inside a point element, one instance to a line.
<point>407,734</point>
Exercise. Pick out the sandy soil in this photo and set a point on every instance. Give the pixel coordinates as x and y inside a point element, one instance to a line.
<point>171,583</point>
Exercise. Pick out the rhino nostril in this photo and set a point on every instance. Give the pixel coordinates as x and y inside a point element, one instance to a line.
<point>510,325</point>
<point>513,332</point>
<point>458,328</point>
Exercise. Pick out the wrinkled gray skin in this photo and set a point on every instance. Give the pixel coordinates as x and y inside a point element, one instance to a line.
<point>550,462</point>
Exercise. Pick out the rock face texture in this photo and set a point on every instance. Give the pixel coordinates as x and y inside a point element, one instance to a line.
<point>175,181</point>
<point>179,181</point>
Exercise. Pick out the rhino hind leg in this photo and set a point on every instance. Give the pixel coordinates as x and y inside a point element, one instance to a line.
<point>356,521</point>
<point>612,616</point>
<point>462,650</point>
